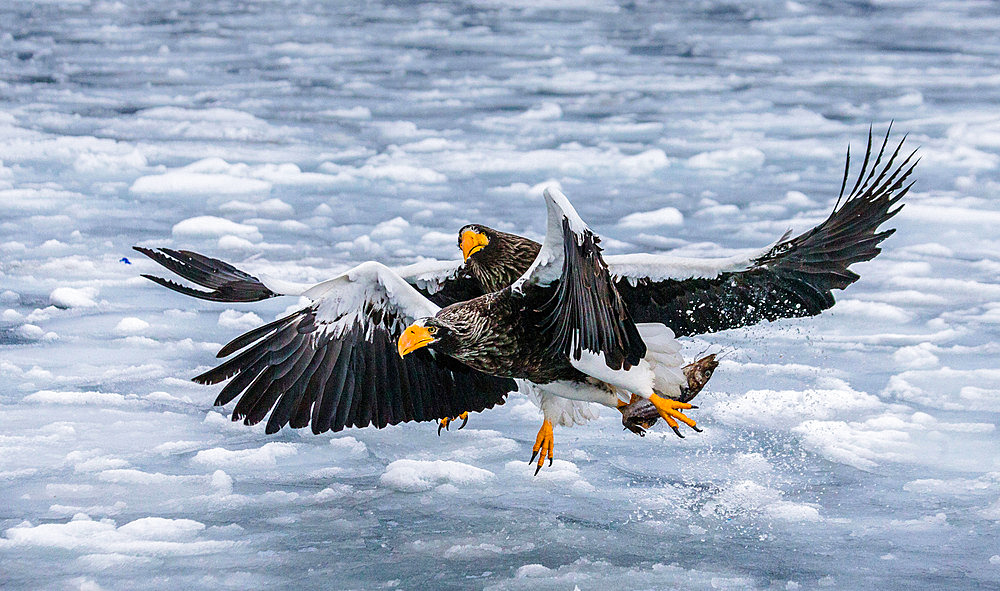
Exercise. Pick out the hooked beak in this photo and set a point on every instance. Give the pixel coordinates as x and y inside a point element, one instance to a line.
<point>473,242</point>
<point>413,338</point>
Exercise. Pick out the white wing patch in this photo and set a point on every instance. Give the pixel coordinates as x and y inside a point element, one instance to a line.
<point>661,267</point>
<point>430,275</point>
<point>547,266</point>
<point>371,288</point>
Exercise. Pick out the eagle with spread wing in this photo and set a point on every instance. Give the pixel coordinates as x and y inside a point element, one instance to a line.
<point>333,378</point>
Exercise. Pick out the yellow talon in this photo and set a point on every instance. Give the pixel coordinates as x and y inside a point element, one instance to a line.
<point>445,422</point>
<point>544,445</point>
<point>668,409</point>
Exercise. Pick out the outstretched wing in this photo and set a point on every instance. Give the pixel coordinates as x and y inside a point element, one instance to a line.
<point>579,305</point>
<point>793,278</point>
<point>333,364</point>
<point>442,282</point>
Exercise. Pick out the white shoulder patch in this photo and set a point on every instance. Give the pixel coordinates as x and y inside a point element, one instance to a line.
<point>430,274</point>
<point>343,302</point>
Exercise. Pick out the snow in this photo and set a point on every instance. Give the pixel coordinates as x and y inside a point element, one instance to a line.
<point>854,450</point>
<point>205,226</point>
<point>666,216</point>
<point>239,320</point>
<point>71,297</point>
<point>131,325</point>
<point>266,456</point>
<point>148,536</point>
<point>421,475</point>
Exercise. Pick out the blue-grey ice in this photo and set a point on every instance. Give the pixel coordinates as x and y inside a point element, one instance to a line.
<point>855,450</point>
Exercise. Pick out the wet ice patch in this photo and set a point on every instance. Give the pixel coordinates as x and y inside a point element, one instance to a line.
<point>916,356</point>
<point>749,497</point>
<point>208,124</point>
<point>198,183</point>
<point>381,170</point>
<point>874,310</point>
<point>596,574</point>
<point>561,475</point>
<point>784,409</point>
<point>915,438</point>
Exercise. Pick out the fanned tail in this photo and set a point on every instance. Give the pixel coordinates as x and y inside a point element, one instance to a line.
<point>226,282</point>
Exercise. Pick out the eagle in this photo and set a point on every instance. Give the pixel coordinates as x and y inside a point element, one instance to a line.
<point>794,277</point>
<point>371,349</point>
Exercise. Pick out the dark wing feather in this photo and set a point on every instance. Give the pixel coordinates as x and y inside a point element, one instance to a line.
<point>585,310</point>
<point>334,364</point>
<point>580,307</point>
<point>226,282</point>
<point>796,277</point>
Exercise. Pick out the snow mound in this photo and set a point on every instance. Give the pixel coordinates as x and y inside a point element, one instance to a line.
<point>423,475</point>
<point>207,226</point>
<point>71,297</point>
<point>131,325</point>
<point>266,456</point>
<point>667,216</point>
<point>148,536</point>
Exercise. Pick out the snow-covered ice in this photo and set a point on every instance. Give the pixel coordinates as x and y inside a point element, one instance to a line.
<point>857,450</point>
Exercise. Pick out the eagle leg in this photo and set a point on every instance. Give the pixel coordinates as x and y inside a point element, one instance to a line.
<point>670,411</point>
<point>544,445</point>
<point>445,422</point>
<point>639,414</point>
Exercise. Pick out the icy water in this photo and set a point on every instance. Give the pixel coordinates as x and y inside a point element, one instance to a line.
<point>856,450</point>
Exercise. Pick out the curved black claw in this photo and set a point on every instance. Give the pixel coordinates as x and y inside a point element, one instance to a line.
<point>533,456</point>
<point>635,429</point>
<point>697,429</point>
<point>678,431</point>
<point>465,421</point>
<point>441,424</point>
<point>538,469</point>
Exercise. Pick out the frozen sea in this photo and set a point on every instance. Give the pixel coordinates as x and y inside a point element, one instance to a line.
<point>855,450</point>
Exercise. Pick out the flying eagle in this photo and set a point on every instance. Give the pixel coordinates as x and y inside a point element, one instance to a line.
<point>372,350</point>
<point>792,278</point>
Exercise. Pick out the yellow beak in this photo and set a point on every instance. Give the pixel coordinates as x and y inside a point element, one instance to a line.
<point>413,338</point>
<point>473,242</point>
